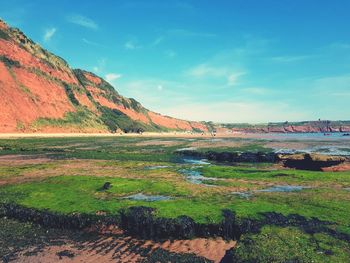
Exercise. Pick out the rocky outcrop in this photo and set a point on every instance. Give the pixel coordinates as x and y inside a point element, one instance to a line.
<point>239,157</point>
<point>302,161</point>
<point>313,162</point>
<point>298,127</point>
<point>137,221</point>
<point>142,222</point>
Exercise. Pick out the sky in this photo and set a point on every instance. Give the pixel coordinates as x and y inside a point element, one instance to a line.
<point>223,61</point>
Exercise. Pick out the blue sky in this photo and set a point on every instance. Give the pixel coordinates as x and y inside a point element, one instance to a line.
<point>225,61</point>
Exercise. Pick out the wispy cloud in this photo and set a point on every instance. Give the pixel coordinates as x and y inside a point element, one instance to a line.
<point>132,45</point>
<point>101,64</point>
<point>49,33</point>
<point>234,111</point>
<point>232,79</point>
<point>82,21</point>
<point>157,41</point>
<point>287,59</point>
<point>209,71</point>
<point>204,70</point>
<point>110,77</point>
<point>180,32</point>
<point>92,43</point>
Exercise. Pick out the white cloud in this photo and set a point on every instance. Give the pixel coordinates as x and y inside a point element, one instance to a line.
<point>204,70</point>
<point>232,79</point>
<point>92,43</point>
<point>82,21</point>
<point>208,71</point>
<point>110,77</point>
<point>49,33</point>
<point>131,45</point>
<point>160,87</point>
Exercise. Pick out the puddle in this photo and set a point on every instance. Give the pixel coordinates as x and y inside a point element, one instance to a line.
<point>196,161</point>
<point>282,188</point>
<point>195,177</point>
<point>155,167</point>
<point>187,149</point>
<point>245,195</point>
<point>148,198</point>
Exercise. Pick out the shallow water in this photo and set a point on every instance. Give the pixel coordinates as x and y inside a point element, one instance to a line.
<point>245,195</point>
<point>272,189</point>
<point>282,188</point>
<point>187,149</point>
<point>195,177</point>
<point>309,135</point>
<point>195,161</point>
<point>148,198</point>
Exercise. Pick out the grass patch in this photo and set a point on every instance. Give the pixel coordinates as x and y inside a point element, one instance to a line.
<point>81,118</point>
<point>275,176</point>
<point>276,244</point>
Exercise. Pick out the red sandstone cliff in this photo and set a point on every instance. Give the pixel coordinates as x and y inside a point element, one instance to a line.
<point>40,92</point>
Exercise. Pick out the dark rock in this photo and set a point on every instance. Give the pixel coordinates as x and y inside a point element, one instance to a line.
<point>251,157</point>
<point>65,253</point>
<point>228,257</point>
<point>106,186</point>
<point>310,162</point>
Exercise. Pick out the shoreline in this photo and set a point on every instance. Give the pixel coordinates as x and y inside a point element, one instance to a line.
<point>281,136</point>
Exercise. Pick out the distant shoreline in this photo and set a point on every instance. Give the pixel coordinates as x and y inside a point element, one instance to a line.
<point>178,135</point>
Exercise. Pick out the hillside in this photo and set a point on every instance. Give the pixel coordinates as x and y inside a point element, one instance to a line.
<point>39,92</point>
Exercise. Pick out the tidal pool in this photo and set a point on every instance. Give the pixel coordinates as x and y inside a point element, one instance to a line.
<point>195,177</point>
<point>195,161</point>
<point>148,198</point>
<point>282,188</point>
<point>272,189</point>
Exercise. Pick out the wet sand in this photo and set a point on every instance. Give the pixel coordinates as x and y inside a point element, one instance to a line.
<point>123,249</point>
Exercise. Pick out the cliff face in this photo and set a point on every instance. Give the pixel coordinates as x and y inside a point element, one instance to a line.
<point>298,127</point>
<point>40,92</point>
